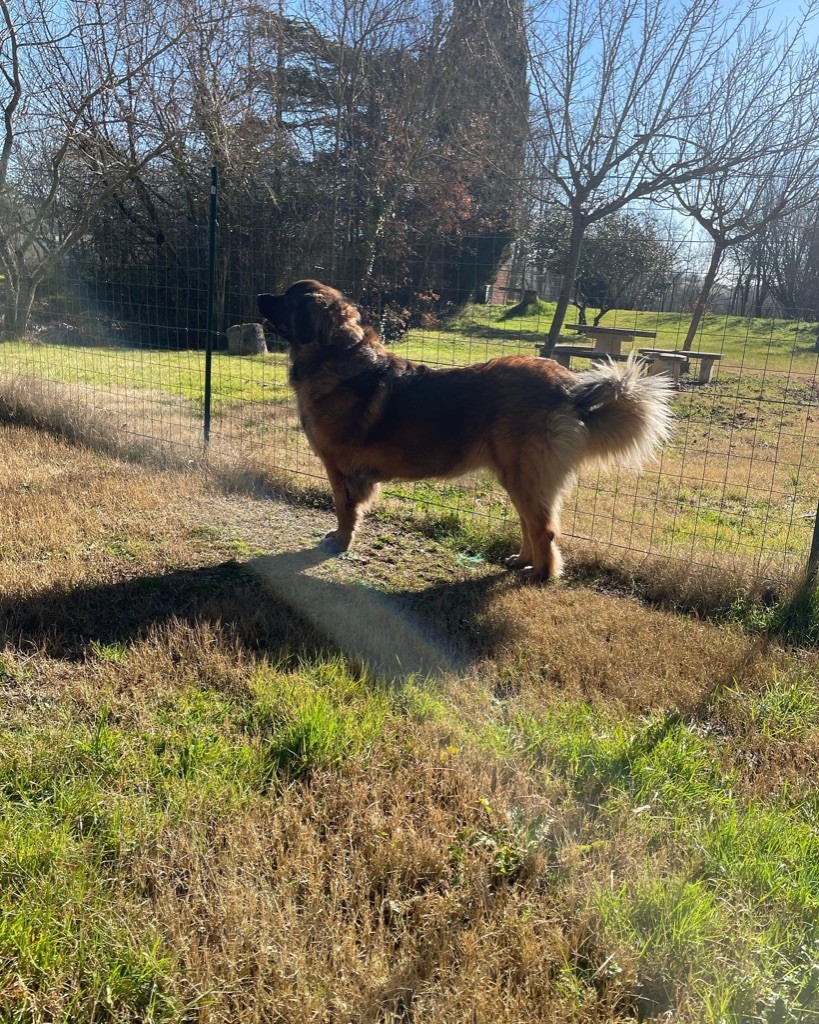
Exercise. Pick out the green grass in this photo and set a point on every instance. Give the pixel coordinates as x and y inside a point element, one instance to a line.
<point>179,374</point>
<point>80,799</point>
<point>318,718</point>
<point>720,910</point>
<point>724,901</point>
<point>604,813</point>
<point>478,332</point>
<point>797,619</point>
<point>746,342</point>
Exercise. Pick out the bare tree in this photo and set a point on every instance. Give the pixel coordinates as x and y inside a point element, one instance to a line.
<point>793,263</point>
<point>628,260</point>
<point>65,70</point>
<point>765,108</point>
<point>750,264</point>
<point>617,85</point>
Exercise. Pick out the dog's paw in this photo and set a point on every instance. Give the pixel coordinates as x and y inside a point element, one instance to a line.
<point>517,562</point>
<point>539,576</point>
<point>335,542</point>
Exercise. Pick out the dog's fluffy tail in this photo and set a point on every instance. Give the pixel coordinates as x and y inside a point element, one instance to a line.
<point>626,413</point>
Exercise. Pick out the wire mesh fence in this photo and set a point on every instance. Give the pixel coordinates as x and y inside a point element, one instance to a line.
<point>120,336</point>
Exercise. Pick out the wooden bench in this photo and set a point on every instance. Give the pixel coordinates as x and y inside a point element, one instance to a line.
<point>563,354</point>
<point>707,360</point>
<point>609,339</point>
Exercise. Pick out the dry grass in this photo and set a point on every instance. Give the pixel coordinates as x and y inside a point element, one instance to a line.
<point>710,522</point>
<point>239,782</point>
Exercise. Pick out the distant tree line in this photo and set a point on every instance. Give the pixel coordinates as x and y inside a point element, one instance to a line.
<point>396,148</point>
<point>778,269</point>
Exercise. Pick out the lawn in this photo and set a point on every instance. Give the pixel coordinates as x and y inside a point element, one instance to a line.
<point>736,488</point>
<point>242,782</point>
<point>746,343</point>
<point>248,379</point>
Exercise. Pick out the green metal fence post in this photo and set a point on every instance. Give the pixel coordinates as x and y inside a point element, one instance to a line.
<point>813,557</point>
<point>210,316</point>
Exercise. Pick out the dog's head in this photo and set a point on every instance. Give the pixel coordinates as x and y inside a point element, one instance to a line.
<point>311,313</point>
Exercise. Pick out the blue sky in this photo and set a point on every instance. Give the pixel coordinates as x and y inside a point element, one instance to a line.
<point>790,10</point>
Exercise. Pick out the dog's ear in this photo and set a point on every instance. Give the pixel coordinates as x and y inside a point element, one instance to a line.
<point>311,318</point>
<point>272,308</point>
<point>325,317</point>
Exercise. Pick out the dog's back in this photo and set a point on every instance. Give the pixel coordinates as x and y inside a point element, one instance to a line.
<point>410,421</point>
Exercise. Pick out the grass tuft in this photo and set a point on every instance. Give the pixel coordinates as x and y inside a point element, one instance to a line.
<point>796,620</point>
<point>313,719</point>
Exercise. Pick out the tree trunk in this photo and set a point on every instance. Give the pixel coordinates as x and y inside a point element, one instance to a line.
<point>742,291</point>
<point>760,296</point>
<point>705,291</point>
<point>17,309</point>
<point>376,216</point>
<point>565,296</point>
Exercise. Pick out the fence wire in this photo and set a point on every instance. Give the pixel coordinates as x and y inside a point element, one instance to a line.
<point>118,339</point>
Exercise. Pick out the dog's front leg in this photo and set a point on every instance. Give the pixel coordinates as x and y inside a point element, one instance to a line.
<point>352,493</point>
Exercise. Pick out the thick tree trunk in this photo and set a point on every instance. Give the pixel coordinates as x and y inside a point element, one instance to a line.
<point>702,298</point>
<point>565,296</point>
<point>760,295</point>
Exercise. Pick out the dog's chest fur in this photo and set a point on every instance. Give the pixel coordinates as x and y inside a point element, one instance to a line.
<point>339,404</point>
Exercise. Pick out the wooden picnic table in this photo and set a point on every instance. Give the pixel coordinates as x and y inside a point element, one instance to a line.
<point>609,339</point>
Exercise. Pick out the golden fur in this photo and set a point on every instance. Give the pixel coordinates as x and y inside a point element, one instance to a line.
<point>372,416</point>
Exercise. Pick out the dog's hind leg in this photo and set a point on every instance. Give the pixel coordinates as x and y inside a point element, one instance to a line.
<point>538,504</point>
<point>352,494</point>
<point>547,561</point>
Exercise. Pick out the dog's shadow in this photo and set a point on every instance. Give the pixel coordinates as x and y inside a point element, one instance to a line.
<point>274,606</point>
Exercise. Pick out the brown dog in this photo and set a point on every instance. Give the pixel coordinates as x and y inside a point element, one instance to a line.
<point>372,416</point>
